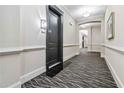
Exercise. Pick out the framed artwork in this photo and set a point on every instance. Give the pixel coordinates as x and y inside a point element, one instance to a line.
<point>110,26</point>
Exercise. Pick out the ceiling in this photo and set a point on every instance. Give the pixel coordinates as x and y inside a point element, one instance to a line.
<point>76,11</point>
<point>83,26</point>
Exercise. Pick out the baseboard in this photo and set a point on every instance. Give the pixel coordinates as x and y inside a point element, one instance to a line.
<point>77,53</point>
<point>68,57</point>
<point>114,74</point>
<point>32,74</point>
<point>16,85</point>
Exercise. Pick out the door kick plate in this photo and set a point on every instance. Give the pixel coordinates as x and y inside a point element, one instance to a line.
<point>54,65</point>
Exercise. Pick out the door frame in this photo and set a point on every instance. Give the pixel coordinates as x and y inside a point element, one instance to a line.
<point>56,10</point>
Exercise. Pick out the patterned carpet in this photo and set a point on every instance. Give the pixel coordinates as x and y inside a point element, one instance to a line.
<point>87,70</point>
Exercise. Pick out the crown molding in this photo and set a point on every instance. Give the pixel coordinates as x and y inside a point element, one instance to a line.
<point>90,19</point>
<point>67,11</point>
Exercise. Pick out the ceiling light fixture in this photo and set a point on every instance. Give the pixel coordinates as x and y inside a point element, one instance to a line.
<point>87,11</point>
<point>86,14</point>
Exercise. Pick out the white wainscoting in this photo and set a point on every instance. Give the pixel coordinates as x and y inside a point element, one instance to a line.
<point>114,74</point>
<point>71,50</point>
<point>16,85</point>
<point>11,60</point>
<point>118,51</point>
<point>115,48</point>
<point>32,74</point>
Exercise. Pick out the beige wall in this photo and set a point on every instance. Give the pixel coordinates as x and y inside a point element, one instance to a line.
<point>94,38</point>
<point>114,49</point>
<point>32,37</point>
<point>22,45</point>
<point>10,26</point>
<point>70,35</point>
<point>9,41</point>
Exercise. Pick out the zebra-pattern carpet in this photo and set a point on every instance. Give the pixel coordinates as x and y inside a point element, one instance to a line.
<point>86,70</point>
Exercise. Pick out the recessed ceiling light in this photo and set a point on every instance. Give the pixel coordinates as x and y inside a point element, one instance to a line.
<point>86,14</point>
<point>87,10</point>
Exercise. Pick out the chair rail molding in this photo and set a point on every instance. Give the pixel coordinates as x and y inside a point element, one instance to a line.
<point>70,45</point>
<point>18,50</point>
<point>115,48</point>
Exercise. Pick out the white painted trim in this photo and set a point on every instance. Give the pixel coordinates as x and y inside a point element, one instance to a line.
<point>9,51</point>
<point>115,48</point>
<point>70,45</point>
<point>28,77</point>
<point>89,19</point>
<point>17,50</point>
<point>16,85</point>
<point>114,74</point>
<point>33,48</point>
<point>32,74</point>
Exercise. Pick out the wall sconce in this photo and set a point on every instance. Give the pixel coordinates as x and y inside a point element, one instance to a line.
<point>43,25</point>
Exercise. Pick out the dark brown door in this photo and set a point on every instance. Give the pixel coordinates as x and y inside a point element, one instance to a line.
<point>54,64</point>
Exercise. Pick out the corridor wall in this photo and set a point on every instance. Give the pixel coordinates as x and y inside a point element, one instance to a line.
<point>10,59</point>
<point>114,48</point>
<point>22,44</point>
<point>94,38</point>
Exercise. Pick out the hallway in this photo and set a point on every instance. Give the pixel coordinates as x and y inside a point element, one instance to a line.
<point>86,70</point>
<point>37,41</point>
